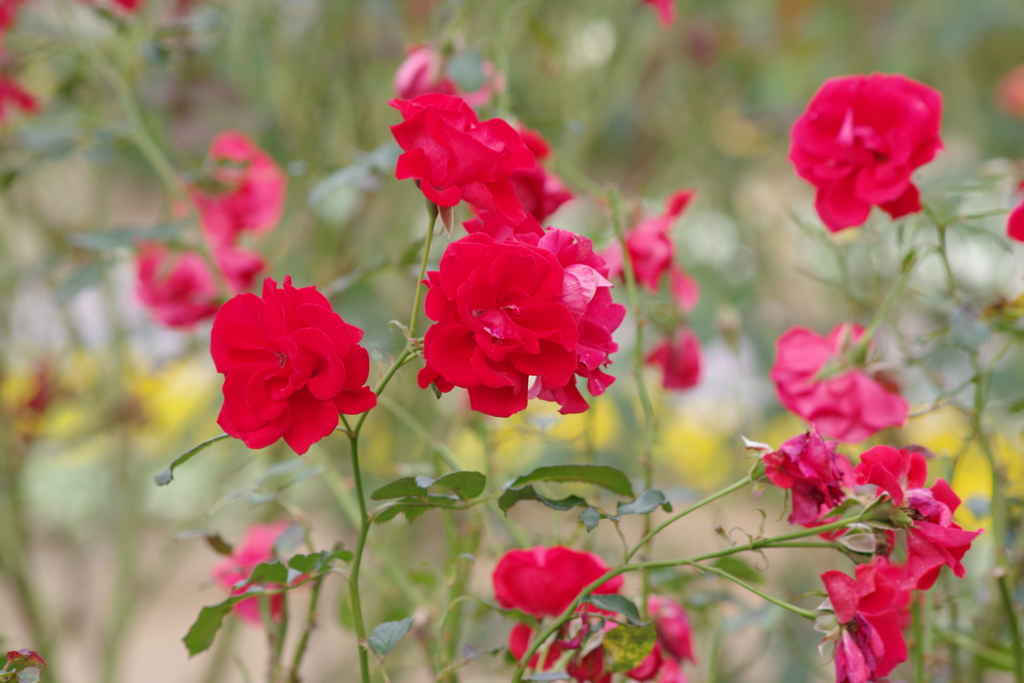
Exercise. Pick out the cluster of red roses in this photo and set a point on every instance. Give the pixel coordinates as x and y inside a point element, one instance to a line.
<point>543,582</point>
<point>241,191</point>
<point>870,609</point>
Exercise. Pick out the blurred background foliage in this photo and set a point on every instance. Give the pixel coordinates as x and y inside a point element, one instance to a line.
<point>97,397</point>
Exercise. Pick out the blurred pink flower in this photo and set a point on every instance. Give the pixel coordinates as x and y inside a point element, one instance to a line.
<point>674,632</point>
<point>256,548</point>
<point>1015,223</point>
<point>248,190</point>
<point>179,290</point>
<point>14,96</point>
<point>666,10</point>
<point>679,357</point>
<point>650,246</point>
<point>239,267</point>
<point>1010,92</point>
<point>421,73</point>
<point>849,406</point>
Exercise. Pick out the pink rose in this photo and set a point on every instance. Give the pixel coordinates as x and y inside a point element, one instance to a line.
<point>679,358</point>
<point>666,10</point>
<point>178,290</point>
<point>290,366</point>
<point>256,548</point>
<point>1015,223</point>
<point>814,472</point>
<point>421,73</point>
<point>1010,92</point>
<point>849,406</point>
<point>858,142</point>
<point>650,246</point>
<point>13,96</point>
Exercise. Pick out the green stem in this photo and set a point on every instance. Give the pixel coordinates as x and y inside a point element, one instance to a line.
<point>420,287</point>
<point>915,608</point>
<point>696,506</point>
<point>807,614</point>
<point>646,461</point>
<point>300,649</point>
<point>357,562</point>
<point>1011,618</point>
<point>757,544</point>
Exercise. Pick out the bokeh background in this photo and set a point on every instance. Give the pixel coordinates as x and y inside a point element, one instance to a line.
<point>95,571</point>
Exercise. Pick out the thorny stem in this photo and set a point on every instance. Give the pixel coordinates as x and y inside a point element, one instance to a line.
<point>629,275</point>
<point>756,544</point>
<point>806,614</point>
<point>300,649</point>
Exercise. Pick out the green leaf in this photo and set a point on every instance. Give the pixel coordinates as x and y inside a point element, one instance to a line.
<point>548,676</point>
<point>386,636</point>
<point>29,675</point>
<point>167,476</point>
<point>618,604</point>
<point>628,646</point>
<point>466,484</point>
<point>590,518</point>
<point>513,496</point>
<point>400,488</point>
<point>200,637</point>
<point>269,572</point>
<point>600,475</point>
<point>645,503</point>
<point>739,569</point>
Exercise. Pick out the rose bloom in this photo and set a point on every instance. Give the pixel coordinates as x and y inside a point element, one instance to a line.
<point>500,319</point>
<point>178,290</point>
<point>256,548</point>
<point>238,266</point>
<point>421,73</point>
<point>544,581</point>
<point>1015,223</point>
<point>816,475</point>
<point>456,157</point>
<point>290,366</point>
<point>858,142</point>
<point>934,539</point>
<point>679,358</point>
<point>246,192</point>
<point>666,10</point>
<point>850,406</point>
<point>650,246</point>
<point>1010,92</point>
<point>868,640</point>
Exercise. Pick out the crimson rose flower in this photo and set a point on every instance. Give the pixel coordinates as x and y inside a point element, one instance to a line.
<point>456,157</point>
<point>1015,223</point>
<point>247,193</point>
<point>934,539</point>
<point>256,548</point>
<point>178,290</point>
<point>650,247</point>
<point>868,640</point>
<point>544,581</point>
<point>500,319</point>
<point>809,466</point>
<point>849,406</point>
<point>238,266</point>
<point>290,366</point>
<point>859,141</point>
<point>674,632</point>
<point>519,643</point>
<point>679,358</point>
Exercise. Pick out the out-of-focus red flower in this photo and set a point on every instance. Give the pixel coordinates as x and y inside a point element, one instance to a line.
<point>129,5</point>
<point>650,247</point>
<point>860,139</point>
<point>178,290</point>
<point>849,406</point>
<point>586,292</point>
<point>674,631</point>
<point>290,366</point>
<point>650,667</point>
<point>519,643</point>
<point>666,10</point>
<point>544,581</point>
<point>679,357</point>
<point>422,73</point>
<point>247,192</point>
<point>456,157</point>
<point>1010,92</point>
<point>893,470</point>
<point>1015,223</point>
<point>501,319</point>
<point>868,640</point>
<point>589,668</point>
<point>13,96</point>
<point>815,473</point>
<point>893,573</point>
<point>239,267</point>
<point>684,289</point>
<point>9,13</point>
<point>256,548</point>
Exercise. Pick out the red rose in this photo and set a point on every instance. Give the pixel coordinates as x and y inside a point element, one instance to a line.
<point>892,470</point>
<point>519,643</point>
<point>456,157</point>
<point>290,366</point>
<point>256,548</point>
<point>666,10</point>
<point>14,96</point>
<point>859,141</point>
<point>249,190</point>
<point>849,406</point>
<point>544,581</point>
<point>674,631</point>
<point>589,668</point>
<point>1015,223</point>
<point>178,290</point>
<point>934,540</point>
<point>679,358</point>
<point>809,466</point>
<point>869,642</point>
<point>650,246</point>
<point>500,319</point>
